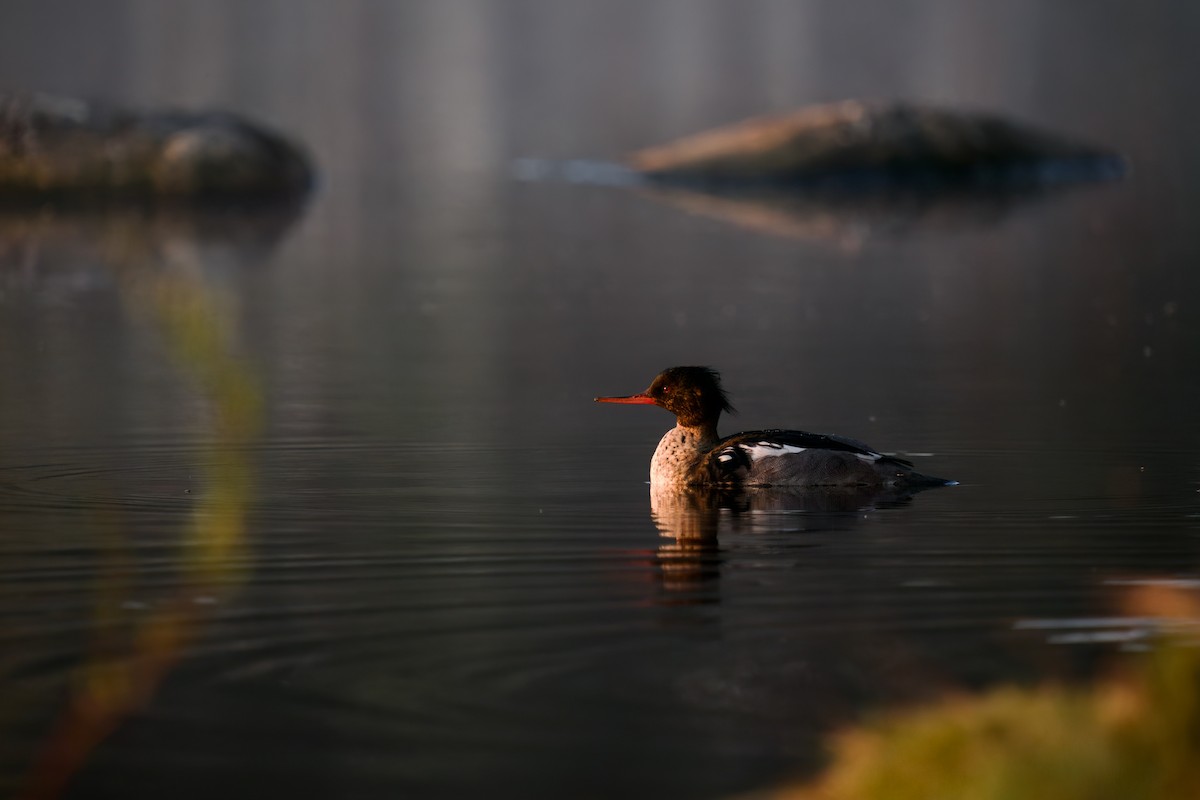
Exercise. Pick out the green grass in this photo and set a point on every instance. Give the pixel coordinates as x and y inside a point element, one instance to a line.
<point>1135,736</point>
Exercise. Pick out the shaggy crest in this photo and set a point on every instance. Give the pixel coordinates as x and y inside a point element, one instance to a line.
<point>693,394</point>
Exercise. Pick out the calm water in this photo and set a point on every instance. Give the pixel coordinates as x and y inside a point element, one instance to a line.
<point>318,502</point>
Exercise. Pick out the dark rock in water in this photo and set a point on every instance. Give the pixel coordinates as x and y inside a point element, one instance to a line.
<point>68,149</point>
<point>862,145</point>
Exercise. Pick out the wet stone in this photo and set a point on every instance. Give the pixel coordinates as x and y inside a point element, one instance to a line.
<point>855,143</point>
<point>64,148</point>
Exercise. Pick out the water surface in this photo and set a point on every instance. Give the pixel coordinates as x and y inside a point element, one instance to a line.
<point>319,501</point>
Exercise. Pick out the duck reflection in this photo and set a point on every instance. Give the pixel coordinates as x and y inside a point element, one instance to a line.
<point>693,519</point>
<point>689,519</point>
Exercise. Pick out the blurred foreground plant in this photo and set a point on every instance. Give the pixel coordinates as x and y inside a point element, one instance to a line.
<point>1135,735</point>
<point>127,663</point>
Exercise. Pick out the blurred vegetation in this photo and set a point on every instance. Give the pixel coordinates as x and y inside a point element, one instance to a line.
<point>129,656</point>
<point>1133,735</point>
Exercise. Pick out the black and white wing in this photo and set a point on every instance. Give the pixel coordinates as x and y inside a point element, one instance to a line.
<point>753,456</point>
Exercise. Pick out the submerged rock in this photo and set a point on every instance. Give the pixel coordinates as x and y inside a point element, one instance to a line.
<point>64,148</point>
<point>856,143</point>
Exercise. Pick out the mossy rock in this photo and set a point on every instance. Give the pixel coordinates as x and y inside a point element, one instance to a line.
<point>857,143</point>
<point>68,149</point>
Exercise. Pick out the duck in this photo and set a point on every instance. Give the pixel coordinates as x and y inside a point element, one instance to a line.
<point>694,454</point>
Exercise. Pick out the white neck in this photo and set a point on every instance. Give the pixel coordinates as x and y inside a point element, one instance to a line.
<point>680,449</point>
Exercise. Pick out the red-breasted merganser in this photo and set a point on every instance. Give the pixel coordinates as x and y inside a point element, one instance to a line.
<point>691,453</point>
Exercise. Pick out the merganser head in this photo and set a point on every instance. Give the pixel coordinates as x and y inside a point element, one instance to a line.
<point>693,394</point>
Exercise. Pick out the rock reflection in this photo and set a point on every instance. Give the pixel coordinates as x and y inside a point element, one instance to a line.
<point>855,170</point>
<point>158,263</point>
<point>51,250</point>
<point>844,216</point>
<point>849,220</point>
